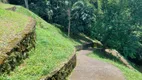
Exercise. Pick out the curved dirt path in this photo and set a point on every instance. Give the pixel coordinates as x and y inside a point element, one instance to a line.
<point>91,69</point>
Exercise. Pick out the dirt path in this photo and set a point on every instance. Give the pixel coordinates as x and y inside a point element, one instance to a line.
<point>91,69</point>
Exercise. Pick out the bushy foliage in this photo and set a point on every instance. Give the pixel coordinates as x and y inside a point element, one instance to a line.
<point>56,11</point>
<point>117,28</point>
<point>42,7</point>
<point>82,17</point>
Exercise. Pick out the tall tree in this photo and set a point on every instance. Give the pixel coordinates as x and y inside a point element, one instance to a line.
<point>26,4</point>
<point>68,2</point>
<point>82,17</point>
<point>69,23</point>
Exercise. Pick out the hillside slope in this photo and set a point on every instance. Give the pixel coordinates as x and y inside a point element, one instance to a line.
<point>52,49</point>
<point>17,34</point>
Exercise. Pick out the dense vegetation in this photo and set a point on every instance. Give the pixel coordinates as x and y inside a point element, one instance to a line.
<point>116,23</point>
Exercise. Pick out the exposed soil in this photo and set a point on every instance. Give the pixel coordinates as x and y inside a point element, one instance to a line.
<point>91,69</point>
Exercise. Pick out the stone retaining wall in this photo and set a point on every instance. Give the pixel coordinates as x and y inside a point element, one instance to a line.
<point>15,55</point>
<point>63,71</point>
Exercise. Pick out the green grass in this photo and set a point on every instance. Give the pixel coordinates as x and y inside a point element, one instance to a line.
<point>5,6</point>
<point>43,23</point>
<point>128,73</point>
<point>52,49</point>
<point>11,24</point>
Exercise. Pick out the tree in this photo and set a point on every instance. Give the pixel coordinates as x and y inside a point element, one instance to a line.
<point>82,17</point>
<point>115,28</point>
<point>26,4</point>
<point>69,19</point>
<point>68,10</point>
<point>136,14</point>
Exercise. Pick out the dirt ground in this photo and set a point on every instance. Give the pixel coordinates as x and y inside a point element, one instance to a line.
<point>91,69</point>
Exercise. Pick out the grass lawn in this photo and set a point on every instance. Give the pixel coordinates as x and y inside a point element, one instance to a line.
<point>11,24</point>
<point>5,6</point>
<point>128,73</point>
<point>52,49</point>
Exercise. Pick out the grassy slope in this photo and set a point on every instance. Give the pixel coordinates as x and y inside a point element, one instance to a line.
<point>5,5</point>
<point>52,49</point>
<point>42,23</point>
<point>10,24</point>
<point>128,73</point>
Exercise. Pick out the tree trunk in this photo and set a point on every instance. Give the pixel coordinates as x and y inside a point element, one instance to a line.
<point>26,4</point>
<point>69,19</point>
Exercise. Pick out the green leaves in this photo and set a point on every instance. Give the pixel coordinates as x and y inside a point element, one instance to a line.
<point>115,27</point>
<point>82,17</point>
